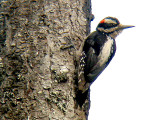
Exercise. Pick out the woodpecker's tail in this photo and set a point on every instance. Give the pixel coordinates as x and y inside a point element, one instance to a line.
<point>81,97</point>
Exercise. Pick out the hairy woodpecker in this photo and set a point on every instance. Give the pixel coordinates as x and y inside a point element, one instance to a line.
<point>98,50</point>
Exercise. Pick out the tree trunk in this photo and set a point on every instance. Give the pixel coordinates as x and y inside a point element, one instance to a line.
<point>38,76</point>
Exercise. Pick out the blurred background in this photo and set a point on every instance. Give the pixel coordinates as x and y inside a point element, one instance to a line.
<point>129,88</point>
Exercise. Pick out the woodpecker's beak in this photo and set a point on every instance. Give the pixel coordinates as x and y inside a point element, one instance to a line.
<point>125,26</point>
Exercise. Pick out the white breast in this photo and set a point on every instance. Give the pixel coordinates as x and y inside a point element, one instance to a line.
<point>106,50</point>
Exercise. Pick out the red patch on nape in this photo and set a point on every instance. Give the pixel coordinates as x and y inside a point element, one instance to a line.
<point>102,21</point>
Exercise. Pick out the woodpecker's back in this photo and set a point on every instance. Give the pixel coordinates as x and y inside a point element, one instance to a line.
<point>98,50</point>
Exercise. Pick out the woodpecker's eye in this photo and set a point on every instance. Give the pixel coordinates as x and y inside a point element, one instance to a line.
<point>111,24</point>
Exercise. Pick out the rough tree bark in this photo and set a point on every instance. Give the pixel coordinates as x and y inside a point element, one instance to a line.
<point>37,72</point>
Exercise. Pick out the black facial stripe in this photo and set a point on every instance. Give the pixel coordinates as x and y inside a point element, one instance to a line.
<point>107,26</point>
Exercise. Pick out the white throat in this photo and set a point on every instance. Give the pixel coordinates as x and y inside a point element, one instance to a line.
<point>115,34</point>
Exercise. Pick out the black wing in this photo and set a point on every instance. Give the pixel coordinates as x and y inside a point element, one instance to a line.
<point>92,48</point>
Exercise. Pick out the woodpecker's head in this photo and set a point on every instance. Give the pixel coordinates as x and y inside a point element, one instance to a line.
<point>111,26</point>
